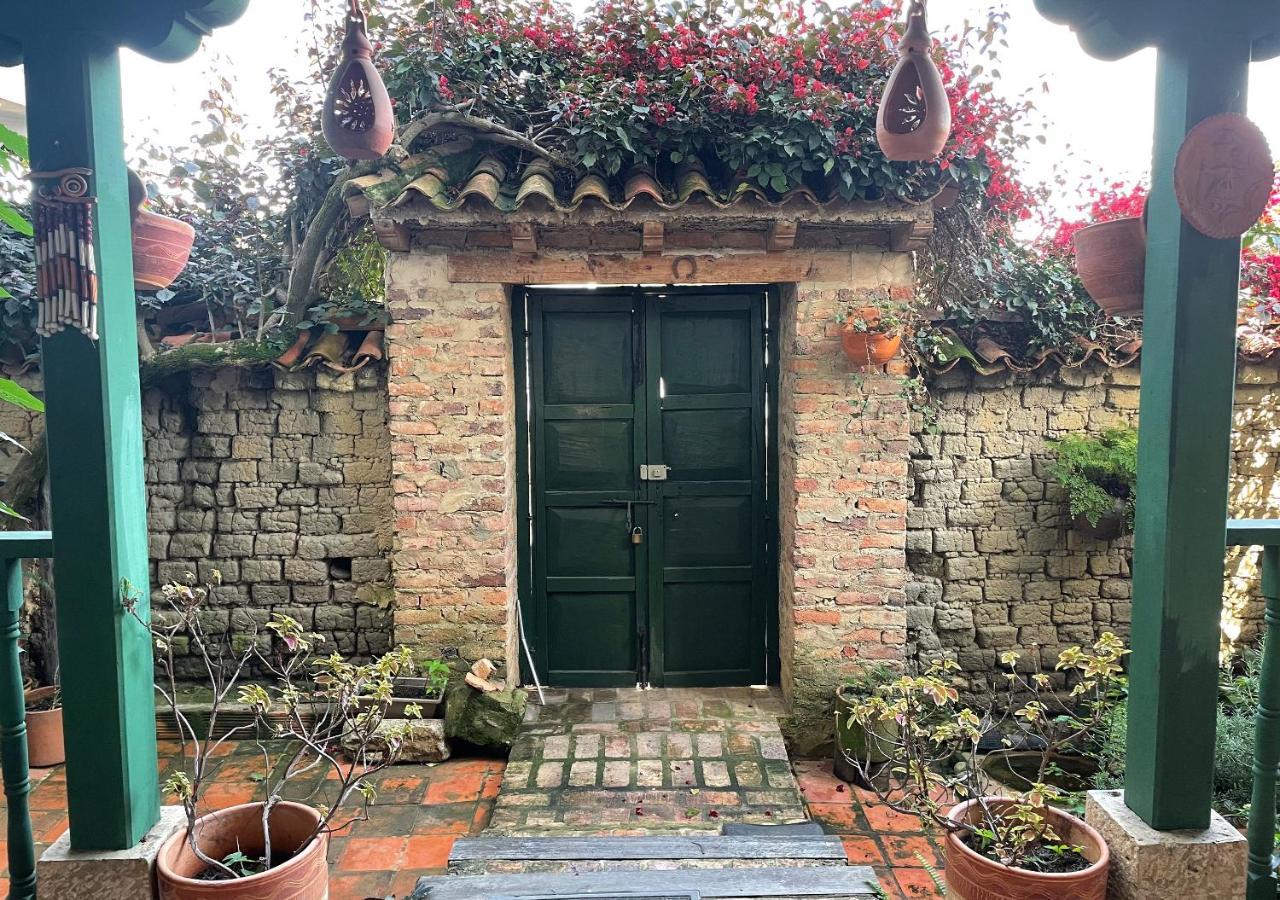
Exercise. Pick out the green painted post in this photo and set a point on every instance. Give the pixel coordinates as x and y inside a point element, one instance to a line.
<point>1266,741</point>
<point>1188,379</point>
<point>95,441</point>
<point>13,740</point>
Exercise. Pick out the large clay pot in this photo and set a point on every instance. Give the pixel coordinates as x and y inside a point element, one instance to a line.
<point>869,348</point>
<point>304,877</point>
<point>161,249</point>
<point>971,876</point>
<point>854,743</point>
<point>44,731</point>
<point>1111,258</point>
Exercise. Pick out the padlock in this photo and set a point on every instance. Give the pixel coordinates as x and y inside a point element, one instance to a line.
<point>637,535</point>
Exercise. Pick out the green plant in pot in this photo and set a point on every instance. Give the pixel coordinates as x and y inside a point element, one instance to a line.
<point>999,842</point>
<point>312,703</point>
<point>854,742</point>
<point>1100,477</point>
<point>871,329</point>
<point>45,745</point>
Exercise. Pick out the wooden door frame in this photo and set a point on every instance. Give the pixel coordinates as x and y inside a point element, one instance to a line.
<point>525,526</point>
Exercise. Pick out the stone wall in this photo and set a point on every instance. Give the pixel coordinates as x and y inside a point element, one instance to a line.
<point>281,482</point>
<point>843,492</point>
<point>453,457</point>
<point>995,565</point>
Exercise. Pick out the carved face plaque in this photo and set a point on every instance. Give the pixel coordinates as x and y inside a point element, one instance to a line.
<point>1223,176</point>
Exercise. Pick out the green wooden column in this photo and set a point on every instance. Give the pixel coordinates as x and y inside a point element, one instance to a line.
<point>1188,380</point>
<point>95,443</point>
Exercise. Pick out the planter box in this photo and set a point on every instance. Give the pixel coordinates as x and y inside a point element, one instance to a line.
<point>414,690</point>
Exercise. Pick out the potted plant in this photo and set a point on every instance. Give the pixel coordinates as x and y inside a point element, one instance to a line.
<point>1015,844</point>
<point>871,332</point>
<point>1111,259</point>
<point>161,244</point>
<point>425,690</point>
<point>271,848</point>
<point>1100,477</point>
<point>853,740</point>
<point>44,727</point>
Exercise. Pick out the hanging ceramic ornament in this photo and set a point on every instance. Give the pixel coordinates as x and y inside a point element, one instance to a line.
<point>358,121</point>
<point>915,117</point>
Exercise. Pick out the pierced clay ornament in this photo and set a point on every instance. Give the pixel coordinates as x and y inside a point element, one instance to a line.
<point>914,121</point>
<point>358,121</point>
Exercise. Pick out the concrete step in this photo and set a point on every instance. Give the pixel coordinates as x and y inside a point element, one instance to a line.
<point>775,883</point>
<point>509,856</point>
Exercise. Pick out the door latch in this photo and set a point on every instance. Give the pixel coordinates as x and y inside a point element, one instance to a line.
<point>654,473</point>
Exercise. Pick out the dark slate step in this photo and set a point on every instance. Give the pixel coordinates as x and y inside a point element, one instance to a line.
<point>791,829</point>
<point>819,883</point>
<point>767,846</point>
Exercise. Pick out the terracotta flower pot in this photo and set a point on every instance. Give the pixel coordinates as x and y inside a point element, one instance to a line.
<point>869,348</point>
<point>161,249</point>
<point>44,731</point>
<point>971,876</point>
<point>1111,258</point>
<point>305,876</point>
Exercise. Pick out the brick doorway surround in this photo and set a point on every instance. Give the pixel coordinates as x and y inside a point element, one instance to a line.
<point>844,448</point>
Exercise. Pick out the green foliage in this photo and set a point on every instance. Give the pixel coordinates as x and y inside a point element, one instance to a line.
<point>869,679</point>
<point>437,673</point>
<point>933,729</point>
<point>15,395</point>
<point>1098,472</point>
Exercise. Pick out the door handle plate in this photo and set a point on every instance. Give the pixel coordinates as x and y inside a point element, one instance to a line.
<point>654,473</point>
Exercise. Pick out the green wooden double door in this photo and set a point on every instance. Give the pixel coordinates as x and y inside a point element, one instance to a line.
<point>647,455</point>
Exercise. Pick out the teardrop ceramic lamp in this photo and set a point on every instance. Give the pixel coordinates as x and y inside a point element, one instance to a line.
<point>358,121</point>
<point>914,121</point>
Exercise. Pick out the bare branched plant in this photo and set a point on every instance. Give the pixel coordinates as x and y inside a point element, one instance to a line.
<point>314,712</point>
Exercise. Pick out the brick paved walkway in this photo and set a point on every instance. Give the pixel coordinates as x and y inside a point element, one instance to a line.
<point>639,762</point>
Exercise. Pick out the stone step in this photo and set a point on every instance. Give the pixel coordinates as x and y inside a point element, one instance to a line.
<point>774,883</point>
<point>497,855</point>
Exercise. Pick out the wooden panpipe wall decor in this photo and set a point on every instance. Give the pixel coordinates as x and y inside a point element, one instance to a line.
<point>66,270</point>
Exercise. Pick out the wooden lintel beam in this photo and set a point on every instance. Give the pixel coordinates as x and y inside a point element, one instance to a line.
<point>652,238</point>
<point>782,235</point>
<point>524,238</point>
<point>622,268</point>
<point>392,235</point>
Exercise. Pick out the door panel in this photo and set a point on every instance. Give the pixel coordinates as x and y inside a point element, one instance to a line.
<point>587,428</point>
<point>708,584</point>
<point>620,379</point>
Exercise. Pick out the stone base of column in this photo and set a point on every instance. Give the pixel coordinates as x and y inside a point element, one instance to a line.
<point>108,875</point>
<point>1154,865</point>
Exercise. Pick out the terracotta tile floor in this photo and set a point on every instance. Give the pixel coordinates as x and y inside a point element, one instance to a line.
<point>874,835</point>
<point>422,809</point>
<point>419,812</point>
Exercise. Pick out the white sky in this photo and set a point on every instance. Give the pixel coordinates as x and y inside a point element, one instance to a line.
<point>1099,114</point>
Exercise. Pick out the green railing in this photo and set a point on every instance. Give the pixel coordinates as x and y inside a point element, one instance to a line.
<point>15,546</point>
<point>1266,736</point>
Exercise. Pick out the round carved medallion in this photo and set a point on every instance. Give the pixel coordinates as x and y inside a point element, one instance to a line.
<point>1223,176</point>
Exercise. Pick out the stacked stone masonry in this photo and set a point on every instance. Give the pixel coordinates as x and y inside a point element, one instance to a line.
<point>995,564</point>
<point>280,481</point>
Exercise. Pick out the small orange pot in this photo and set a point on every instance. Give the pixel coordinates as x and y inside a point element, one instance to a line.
<point>1111,258</point>
<point>304,877</point>
<point>971,876</point>
<point>869,348</point>
<point>161,249</point>
<point>44,732</point>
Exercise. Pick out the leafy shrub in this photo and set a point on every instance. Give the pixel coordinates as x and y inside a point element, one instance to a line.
<point>1097,472</point>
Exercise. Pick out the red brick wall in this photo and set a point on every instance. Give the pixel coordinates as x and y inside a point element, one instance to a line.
<point>844,491</point>
<point>453,433</point>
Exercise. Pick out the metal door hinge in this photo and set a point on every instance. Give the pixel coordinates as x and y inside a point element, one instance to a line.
<point>654,473</point>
